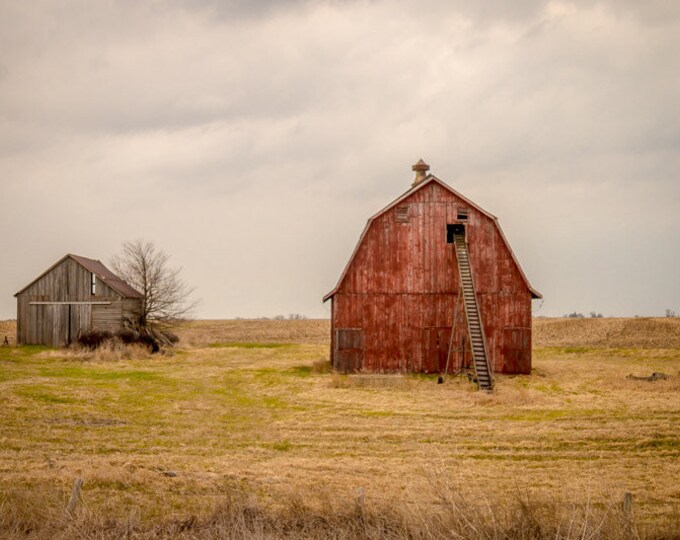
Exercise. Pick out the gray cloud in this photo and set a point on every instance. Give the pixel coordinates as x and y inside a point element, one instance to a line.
<point>252,140</point>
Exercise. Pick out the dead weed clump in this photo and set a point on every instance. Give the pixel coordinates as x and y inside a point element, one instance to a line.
<point>109,351</point>
<point>322,365</point>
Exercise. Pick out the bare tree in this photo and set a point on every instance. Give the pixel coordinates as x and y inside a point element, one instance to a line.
<point>166,296</point>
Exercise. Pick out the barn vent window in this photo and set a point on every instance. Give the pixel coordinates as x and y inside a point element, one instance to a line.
<point>402,214</point>
<point>93,283</point>
<point>462,214</point>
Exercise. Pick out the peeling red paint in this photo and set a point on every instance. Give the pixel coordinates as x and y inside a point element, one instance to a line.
<point>393,307</point>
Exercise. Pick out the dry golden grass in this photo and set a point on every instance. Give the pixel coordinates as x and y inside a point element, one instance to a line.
<point>196,333</point>
<point>547,332</point>
<point>229,439</point>
<point>8,329</point>
<point>243,514</point>
<point>109,351</point>
<point>645,333</point>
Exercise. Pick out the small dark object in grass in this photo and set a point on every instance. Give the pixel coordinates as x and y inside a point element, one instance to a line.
<point>656,376</point>
<point>440,380</point>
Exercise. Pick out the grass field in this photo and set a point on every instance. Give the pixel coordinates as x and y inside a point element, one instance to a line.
<point>243,432</point>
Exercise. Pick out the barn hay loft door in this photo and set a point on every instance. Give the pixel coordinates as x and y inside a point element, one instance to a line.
<point>480,357</point>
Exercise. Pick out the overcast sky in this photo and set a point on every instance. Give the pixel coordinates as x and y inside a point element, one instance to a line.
<point>251,140</point>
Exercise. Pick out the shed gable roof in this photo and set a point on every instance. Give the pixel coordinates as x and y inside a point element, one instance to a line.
<point>427,181</point>
<point>99,270</point>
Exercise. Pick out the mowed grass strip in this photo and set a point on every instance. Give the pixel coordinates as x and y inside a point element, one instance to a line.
<point>165,434</point>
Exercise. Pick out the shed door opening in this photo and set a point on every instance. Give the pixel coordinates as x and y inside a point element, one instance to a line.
<point>453,228</point>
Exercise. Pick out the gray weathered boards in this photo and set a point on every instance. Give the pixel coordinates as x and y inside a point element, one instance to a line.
<point>73,296</point>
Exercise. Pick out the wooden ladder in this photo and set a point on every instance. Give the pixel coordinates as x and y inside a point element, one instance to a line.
<point>475,329</point>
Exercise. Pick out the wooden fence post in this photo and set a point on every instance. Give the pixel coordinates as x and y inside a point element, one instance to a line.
<point>75,495</point>
<point>627,509</point>
<point>627,504</point>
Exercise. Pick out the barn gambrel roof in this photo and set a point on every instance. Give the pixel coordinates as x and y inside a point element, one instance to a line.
<point>99,270</point>
<point>428,180</point>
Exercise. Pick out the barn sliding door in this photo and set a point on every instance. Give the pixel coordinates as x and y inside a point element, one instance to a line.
<point>349,350</point>
<point>56,324</point>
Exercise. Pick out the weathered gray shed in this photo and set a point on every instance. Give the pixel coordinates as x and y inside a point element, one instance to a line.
<point>73,296</point>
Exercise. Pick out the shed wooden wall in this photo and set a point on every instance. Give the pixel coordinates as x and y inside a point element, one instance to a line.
<point>401,288</point>
<point>111,317</point>
<point>67,282</point>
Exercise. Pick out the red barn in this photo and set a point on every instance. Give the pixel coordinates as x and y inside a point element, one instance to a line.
<point>432,286</point>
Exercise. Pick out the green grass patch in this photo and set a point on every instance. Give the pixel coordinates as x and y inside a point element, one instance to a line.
<point>576,350</point>
<point>6,375</point>
<point>300,371</point>
<point>95,374</point>
<point>281,446</point>
<point>536,416</point>
<point>549,388</point>
<point>37,393</point>
<point>272,402</point>
<point>248,345</point>
<point>425,376</point>
<point>24,352</point>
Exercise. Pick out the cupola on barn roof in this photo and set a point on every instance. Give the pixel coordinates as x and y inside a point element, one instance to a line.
<point>417,259</point>
<point>420,169</point>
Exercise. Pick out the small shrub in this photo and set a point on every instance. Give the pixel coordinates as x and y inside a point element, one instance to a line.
<point>94,339</point>
<point>170,336</point>
<point>128,336</point>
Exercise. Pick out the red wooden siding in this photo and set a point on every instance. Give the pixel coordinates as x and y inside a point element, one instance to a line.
<point>401,286</point>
